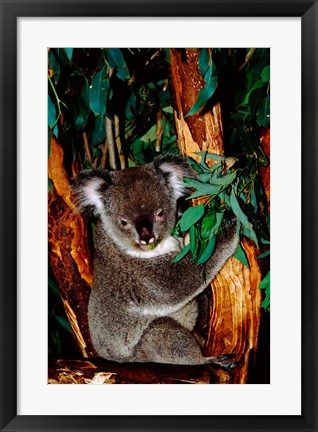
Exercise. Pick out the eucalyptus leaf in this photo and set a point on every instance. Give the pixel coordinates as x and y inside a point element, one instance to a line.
<point>265,282</point>
<point>215,157</point>
<point>256,86</point>
<point>98,93</point>
<point>225,180</point>
<point>250,233</point>
<point>193,241</point>
<point>206,93</point>
<point>265,74</point>
<point>130,110</point>
<point>264,255</point>
<point>208,223</point>
<point>202,188</point>
<point>238,211</point>
<point>205,177</point>
<point>81,113</point>
<point>197,167</point>
<point>240,255</point>
<point>263,112</point>
<point>191,216</point>
<point>85,92</point>
<point>98,135</point>
<point>204,60</point>
<point>51,113</point>
<point>63,322</point>
<point>117,61</point>
<point>182,254</point>
<point>208,251</point>
<point>219,219</point>
<point>69,53</point>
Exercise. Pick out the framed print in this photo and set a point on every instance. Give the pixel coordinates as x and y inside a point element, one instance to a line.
<point>36,39</point>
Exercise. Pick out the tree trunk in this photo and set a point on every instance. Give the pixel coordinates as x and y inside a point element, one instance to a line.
<point>69,252</point>
<point>234,316</point>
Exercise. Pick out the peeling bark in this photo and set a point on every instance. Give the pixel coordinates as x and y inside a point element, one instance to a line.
<point>69,252</point>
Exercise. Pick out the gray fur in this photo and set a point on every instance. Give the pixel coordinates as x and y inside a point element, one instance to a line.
<point>142,306</point>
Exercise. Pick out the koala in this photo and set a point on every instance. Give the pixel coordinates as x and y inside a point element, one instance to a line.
<point>143,306</point>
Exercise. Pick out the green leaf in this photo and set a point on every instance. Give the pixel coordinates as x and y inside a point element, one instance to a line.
<point>116,60</point>
<point>265,285</point>
<point>219,219</point>
<point>206,93</point>
<point>265,74</point>
<point>69,53</point>
<point>150,135</point>
<point>51,113</point>
<point>265,282</point>
<point>85,92</point>
<point>53,285</point>
<point>208,222</point>
<point>205,177</point>
<point>240,255</point>
<point>182,254</point>
<point>98,93</point>
<point>208,251</point>
<point>204,60</point>
<point>202,188</point>
<point>202,161</point>
<point>263,112</point>
<point>50,185</point>
<point>250,233</point>
<point>63,322</point>
<point>256,86</point>
<point>81,113</point>
<point>193,241</point>
<point>191,216</point>
<point>168,109</point>
<point>167,54</point>
<point>197,167</point>
<point>130,110</point>
<point>254,200</point>
<point>215,157</point>
<point>99,131</point>
<point>238,211</point>
<point>264,255</point>
<point>225,180</point>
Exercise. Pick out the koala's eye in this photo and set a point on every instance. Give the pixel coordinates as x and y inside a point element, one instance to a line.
<point>160,213</point>
<point>123,222</point>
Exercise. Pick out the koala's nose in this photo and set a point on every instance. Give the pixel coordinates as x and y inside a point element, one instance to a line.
<point>144,229</point>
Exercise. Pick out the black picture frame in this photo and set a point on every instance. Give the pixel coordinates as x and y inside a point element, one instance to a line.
<point>10,11</point>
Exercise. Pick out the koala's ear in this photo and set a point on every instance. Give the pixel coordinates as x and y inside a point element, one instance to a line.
<point>174,168</point>
<point>88,188</point>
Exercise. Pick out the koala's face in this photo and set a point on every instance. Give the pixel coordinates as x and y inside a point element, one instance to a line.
<point>138,206</point>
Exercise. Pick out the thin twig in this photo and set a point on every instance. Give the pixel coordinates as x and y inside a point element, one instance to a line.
<point>160,127</point>
<point>110,143</point>
<point>87,149</point>
<point>247,58</point>
<point>118,142</point>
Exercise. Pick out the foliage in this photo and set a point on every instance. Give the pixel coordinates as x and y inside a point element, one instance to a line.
<point>128,89</point>
<point>86,86</point>
<point>59,330</point>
